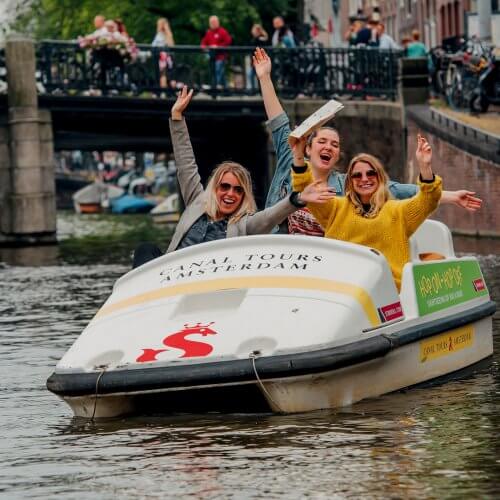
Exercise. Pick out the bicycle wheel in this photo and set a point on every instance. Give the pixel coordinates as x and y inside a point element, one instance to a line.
<point>479,103</point>
<point>455,93</point>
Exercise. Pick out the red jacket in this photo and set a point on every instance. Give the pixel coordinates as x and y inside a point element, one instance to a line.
<point>217,38</point>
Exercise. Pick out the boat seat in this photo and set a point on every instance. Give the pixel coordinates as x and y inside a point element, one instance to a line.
<point>431,241</point>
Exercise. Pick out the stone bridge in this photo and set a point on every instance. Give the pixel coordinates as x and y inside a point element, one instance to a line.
<point>65,109</point>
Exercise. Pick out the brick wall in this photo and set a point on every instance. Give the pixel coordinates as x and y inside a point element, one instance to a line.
<point>461,170</point>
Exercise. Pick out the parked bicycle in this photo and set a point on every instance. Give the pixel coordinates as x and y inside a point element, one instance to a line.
<point>487,89</point>
<point>462,79</point>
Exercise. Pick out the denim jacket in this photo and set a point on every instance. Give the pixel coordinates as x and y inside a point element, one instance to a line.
<point>281,185</point>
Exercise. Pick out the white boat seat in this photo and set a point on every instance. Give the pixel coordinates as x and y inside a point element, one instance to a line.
<point>431,241</point>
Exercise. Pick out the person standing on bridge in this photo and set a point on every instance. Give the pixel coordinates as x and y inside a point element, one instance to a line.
<point>416,48</point>
<point>100,29</point>
<point>224,209</point>
<point>164,38</point>
<point>217,36</point>
<point>323,151</point>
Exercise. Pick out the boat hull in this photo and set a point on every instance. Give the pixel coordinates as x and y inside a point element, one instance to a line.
<point>287,324</point>
<point>379,367</point>
<point>89,208</point>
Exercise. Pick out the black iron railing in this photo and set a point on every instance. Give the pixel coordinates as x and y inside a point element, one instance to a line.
<point>66,68</point>
<point>3,72</point>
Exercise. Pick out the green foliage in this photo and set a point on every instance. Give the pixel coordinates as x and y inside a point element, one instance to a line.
<point>67,19</point>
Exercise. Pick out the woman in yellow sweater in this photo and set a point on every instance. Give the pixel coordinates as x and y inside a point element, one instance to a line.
<point>368,215</point>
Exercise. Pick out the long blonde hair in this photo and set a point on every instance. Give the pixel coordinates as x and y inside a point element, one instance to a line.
<point>379,197</point>
<point>163,26</point>
<point>247,205</point>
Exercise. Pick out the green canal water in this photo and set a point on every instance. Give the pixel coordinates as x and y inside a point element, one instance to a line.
<point>436,442</point>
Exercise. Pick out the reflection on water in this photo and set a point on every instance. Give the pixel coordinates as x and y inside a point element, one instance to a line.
<point>437,442</point>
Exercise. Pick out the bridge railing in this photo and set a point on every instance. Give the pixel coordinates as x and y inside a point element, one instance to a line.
<point>3,72</point>
<point>66,68</point>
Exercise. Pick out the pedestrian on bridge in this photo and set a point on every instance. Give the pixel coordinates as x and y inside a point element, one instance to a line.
<point>216,36</point>
<point>164,38</point>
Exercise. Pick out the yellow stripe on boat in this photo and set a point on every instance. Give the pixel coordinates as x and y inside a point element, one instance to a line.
<point>290,282</point>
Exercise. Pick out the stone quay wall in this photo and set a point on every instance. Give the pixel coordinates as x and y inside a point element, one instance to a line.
<point>460,169</point>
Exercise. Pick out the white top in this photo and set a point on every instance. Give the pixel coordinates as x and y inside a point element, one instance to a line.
<point>386,42</point>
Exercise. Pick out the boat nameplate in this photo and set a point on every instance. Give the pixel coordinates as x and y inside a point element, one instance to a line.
<point>446,343</point>
<point>441,285</point>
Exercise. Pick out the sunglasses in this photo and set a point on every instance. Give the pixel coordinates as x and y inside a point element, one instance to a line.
<point>368,173</point>
<point>225,187</point>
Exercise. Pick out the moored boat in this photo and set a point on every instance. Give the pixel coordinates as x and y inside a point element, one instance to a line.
<point>131,204</point>
<point>287,324</point>
<point>168,211</point>
<point>95,197</point>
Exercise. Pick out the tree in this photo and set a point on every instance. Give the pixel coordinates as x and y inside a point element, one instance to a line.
<point>66,19</point>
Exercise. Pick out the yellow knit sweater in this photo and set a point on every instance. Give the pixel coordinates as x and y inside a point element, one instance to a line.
<point>388,232</point>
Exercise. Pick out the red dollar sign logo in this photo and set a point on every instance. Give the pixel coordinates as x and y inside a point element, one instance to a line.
<point>178,340</point>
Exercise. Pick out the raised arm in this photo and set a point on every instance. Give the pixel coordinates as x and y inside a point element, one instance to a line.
<point>417,209</point>
<point>263,66</point>
<point>187,169</point>
<point>279,125</point>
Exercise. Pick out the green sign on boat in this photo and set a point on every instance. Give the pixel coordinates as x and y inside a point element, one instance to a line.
<point>445,284</point>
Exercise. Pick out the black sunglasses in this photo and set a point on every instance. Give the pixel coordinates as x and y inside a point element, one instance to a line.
<point>368,173</point>
<point>225,186</point>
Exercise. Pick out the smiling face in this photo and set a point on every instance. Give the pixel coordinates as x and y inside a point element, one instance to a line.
<point>229,193</point>
<point>324,150</point>
<point>365,180</point>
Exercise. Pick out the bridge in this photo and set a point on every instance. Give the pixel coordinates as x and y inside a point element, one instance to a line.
<point>103,99</point>
<point>59,96</point>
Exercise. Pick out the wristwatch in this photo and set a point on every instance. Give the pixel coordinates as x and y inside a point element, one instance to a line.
<point>295,200</point>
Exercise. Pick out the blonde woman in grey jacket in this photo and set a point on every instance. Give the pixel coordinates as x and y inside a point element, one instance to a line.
<point>226,208</point>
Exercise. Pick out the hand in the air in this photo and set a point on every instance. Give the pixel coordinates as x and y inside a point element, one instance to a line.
<point>424,151</point>
<point>183,99</point>
<point>261,62</point>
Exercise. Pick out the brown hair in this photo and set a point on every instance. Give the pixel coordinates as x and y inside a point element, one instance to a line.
<point>316,132</point>
<point>247,205</point>
<point>379,197</point>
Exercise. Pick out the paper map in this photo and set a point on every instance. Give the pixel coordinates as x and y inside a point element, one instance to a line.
<point>316,120</point>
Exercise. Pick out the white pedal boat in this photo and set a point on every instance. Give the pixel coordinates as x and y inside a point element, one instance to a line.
<point>281,323</point>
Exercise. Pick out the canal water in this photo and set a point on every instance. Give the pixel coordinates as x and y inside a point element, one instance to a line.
<point>437,442</point>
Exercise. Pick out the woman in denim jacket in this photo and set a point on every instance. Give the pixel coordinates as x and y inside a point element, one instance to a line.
<point>324,140</point>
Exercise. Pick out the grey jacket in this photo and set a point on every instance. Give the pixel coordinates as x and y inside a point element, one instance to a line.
<point>194,196</point>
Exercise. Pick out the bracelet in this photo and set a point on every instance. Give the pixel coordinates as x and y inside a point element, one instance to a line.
<point>299,169</point>
<point>296,201</point>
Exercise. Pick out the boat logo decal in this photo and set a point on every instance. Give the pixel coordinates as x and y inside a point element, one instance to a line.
<point>446,284</point>
<point>446,343</point>
<point>479,284</point>
<point>390,311</point>
<point>178,340</point>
